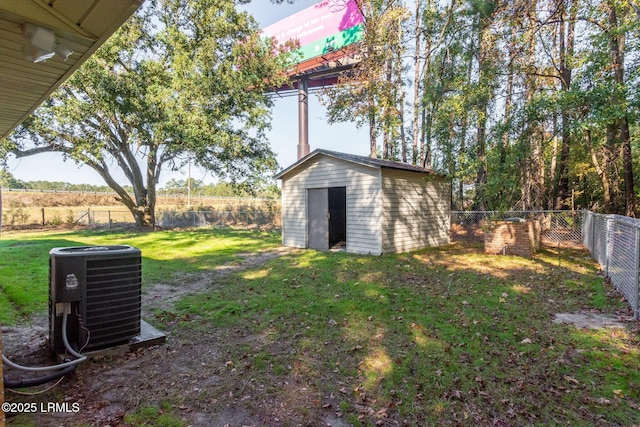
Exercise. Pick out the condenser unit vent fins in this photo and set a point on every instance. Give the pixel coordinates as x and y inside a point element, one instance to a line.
<point>103,285</point>
<point>113,301</point>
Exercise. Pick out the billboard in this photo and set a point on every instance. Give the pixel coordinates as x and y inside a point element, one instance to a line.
<point>323,29</point>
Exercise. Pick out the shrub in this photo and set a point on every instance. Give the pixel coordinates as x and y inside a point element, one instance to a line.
<point>70,218</point>
<point>55,220</point>
<point>16,216</point>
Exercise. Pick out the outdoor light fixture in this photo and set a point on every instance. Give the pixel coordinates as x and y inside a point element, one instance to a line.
<point>63,52</point>
<point>42,44</point>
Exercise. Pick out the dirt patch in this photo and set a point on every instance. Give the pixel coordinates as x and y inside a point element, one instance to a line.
<point>161,296</point>
<point>589,320</point>
<point>189,371</point>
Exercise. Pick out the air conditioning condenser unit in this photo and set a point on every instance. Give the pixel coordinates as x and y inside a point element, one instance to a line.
<point>103,286</point>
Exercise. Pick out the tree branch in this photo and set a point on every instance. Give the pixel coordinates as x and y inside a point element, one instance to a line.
<point>59,148</point>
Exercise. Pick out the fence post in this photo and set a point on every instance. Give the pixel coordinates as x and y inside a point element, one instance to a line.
<point>607,254</point>
<point>636,279</point>
<point>109,217</point>
<point>593,230</point>
<point>584,232</point>
<point>43,221</point>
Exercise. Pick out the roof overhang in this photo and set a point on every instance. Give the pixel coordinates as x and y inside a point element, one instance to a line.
<point>78,25</point>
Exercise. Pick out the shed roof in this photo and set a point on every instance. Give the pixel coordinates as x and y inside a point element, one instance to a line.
<point>361,160</point>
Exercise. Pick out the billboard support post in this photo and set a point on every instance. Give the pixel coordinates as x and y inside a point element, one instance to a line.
<point>303,117</point>
<point>326,33</point>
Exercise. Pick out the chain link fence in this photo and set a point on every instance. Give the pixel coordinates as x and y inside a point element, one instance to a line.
<point>108,218</point>
<point>614,242</point>
<point>558,227</point>
<point>257,218</point>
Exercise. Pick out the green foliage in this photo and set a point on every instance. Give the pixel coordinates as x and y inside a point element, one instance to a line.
<point>69,217</point>
<point>7,180</point>
<point>174,83</point>
<point>63,186</point>
<point>15,216</point>
<point>499,93</point>
<point>55,219</point>
<point>154,416</point>
<point>371,93</point>
<point>222,189</point>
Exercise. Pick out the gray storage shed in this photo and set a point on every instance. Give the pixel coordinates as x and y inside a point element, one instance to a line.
<point>371,206</point>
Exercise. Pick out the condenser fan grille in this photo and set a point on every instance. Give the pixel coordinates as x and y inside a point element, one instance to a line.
<point>112,310</point>
<point>100,286</point>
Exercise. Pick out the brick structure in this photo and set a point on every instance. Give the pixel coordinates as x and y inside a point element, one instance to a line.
<point>512,238</point>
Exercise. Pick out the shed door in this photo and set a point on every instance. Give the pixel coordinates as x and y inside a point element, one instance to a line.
<point>318,219</point>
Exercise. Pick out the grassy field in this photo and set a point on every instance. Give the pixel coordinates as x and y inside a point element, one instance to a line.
<point>22,209</point>
<point>168,256</point>
<point>443,336</point>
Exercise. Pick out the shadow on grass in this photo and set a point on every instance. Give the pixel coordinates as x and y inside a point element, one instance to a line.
<point>436,337</point>
<point>444,336</point>
<point>24,272</point>
<point>167,257</point>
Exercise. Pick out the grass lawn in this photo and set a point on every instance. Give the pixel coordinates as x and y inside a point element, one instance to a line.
<point>443,336</point>
<point>167,256</point>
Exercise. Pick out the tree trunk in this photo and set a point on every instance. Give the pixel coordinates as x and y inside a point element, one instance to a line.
<point>611,159</point>
<point>482,109</point>
<point>143,213</point>
<point>416,87</point>
<point>617,43</point>
<point>537,162</point>
<point>566,40</point>
<point>387,137</point>
<point>373,144</point>
<point>553,167</point>
<point>425,133</point>
<point>534,168</point>
<point>428,104</point>
<point>627,164</point>
<point>481,177</point>
<point>426,136</point>
<point>507,118</point>
<point>601,171</point>
<point>402,135</point>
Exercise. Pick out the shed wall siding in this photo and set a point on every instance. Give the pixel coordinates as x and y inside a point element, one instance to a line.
<point>364,208</point>
<point>294,214</point>
<point>415,211</point>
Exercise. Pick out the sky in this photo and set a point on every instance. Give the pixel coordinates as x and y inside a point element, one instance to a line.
<point>283,137</point>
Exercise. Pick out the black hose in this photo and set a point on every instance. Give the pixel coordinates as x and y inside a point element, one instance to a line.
<point>31,382</point>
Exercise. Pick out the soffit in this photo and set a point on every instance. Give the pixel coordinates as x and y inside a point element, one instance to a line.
<point>82,25</point>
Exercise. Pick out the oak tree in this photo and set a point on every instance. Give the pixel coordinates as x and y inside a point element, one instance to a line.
<point>182,80</point>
